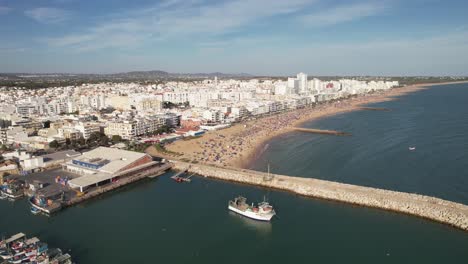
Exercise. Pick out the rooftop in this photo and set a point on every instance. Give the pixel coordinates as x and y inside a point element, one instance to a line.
<point>60,155</point>
<point>116,159</point>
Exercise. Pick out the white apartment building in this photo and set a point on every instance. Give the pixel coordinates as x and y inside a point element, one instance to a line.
<point>293,85</point>
<point>302,83</point>
<point>126,129</point>
<point>87,128</point>
<point>176,97</point>
<point>214,116</point>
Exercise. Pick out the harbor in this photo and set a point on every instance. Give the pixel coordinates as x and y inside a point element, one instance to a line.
<point>160,213</point>
<point>82,178</point>
<point>20,249</point>
<point>447,212</point>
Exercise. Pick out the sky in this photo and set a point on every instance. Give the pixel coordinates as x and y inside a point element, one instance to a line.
<point>261,37</point>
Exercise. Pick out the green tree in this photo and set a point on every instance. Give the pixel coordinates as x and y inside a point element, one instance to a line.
<point>94,137</point>
<point>116,138</point>
<point>54,144</point>
<point>104,141</point>
<point>81,141</point>
<point>46,124</point>
<point>168,105</point>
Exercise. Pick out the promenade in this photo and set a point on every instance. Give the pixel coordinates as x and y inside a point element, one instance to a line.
<point>447,212</point>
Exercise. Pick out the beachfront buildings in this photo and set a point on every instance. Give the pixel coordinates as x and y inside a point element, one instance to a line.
<point>34,118</point>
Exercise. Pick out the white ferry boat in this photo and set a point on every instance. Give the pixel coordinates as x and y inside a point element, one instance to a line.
<point>262,212</point>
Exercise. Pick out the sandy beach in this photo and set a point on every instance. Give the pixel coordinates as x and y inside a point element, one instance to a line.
<point>238,145</point>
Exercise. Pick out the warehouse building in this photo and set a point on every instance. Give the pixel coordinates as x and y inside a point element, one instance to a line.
<point>105,165</point>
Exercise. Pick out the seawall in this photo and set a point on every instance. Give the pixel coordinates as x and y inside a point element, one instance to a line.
<point>447,212</point>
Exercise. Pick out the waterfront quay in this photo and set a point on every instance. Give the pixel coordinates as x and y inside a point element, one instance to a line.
<point>447,212</point>
<point>86,176</point>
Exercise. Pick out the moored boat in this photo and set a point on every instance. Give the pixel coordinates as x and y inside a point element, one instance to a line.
<point>44,205</point>
<point>12,189</point>
<point>18,249</point>
<point>12,193</point>
<point>6,255</point>
<point>34,210</point>
<point>262,212</point>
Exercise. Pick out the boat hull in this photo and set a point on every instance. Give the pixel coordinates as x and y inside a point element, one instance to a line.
<point>42,209</point>
<point>252,215</point>
<point>12,196</point>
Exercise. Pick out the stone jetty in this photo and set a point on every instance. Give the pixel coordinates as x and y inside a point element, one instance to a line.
<point>447,212</point>
<point>321,131</point>
<point>374,108</point>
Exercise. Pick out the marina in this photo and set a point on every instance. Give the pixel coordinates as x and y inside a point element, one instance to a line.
<point>20,249</point>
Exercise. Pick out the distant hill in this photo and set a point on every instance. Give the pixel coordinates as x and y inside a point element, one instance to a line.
<point>163,74</point>
<point>155,74</point>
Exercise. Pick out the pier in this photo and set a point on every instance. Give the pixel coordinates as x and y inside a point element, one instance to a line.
<point>320,131</point>
<point>443,211</point>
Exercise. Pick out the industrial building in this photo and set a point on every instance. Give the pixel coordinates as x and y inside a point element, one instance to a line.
<point>105,165</point>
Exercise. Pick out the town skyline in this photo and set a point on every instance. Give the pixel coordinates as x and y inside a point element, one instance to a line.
<point>384,38</point>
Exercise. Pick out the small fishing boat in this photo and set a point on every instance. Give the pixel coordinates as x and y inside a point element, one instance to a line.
<point>6,255</point>
<point>16,260</point>
<point>42,259</point>
<point>12,192</point>
<point>17,246</point>
<point>412,148</point>
<point>34,210</point>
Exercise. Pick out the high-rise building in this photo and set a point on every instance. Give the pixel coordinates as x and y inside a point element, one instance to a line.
<point>302,79</point>
<point>293,85</point>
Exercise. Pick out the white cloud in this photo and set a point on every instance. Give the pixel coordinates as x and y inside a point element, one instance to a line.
<point>5,10</point>
<point>343,14</point>
<point>11,50</point>
<point>47,15</point>
<point>175,18</point>
<point>442,55</point>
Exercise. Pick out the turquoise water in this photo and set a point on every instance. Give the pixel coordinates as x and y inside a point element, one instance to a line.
<point>160,221</point>
<point>435,121</point>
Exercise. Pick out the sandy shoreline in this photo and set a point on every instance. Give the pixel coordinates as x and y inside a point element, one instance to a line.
<point>241,144</point>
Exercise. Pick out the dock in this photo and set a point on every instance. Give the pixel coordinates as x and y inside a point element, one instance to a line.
<point>436,209</point>
<point>178,178</point>
<point>320,131</point>
<point>150,173</point>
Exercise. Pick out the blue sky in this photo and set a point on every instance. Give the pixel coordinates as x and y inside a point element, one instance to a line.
<point>270,37</point>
